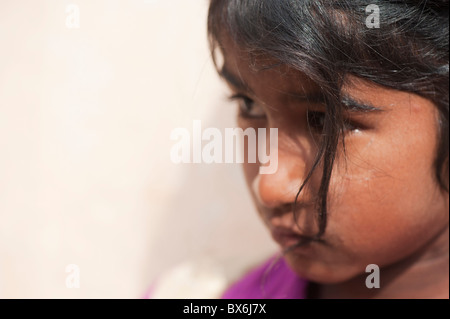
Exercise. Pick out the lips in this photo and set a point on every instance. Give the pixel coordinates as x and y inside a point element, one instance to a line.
<point>286,237</point>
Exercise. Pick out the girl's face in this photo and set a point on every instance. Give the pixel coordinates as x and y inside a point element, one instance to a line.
<point>384,204</point>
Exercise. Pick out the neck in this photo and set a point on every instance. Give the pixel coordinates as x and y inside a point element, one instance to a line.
<point>423,275</point>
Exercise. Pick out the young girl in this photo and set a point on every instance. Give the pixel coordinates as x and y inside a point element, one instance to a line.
<point>358,91</point>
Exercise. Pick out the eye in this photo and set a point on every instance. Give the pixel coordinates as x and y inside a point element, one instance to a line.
<point>316,121</point>
<point>247,107</point>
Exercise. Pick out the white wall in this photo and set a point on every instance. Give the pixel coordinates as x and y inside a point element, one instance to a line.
<point>85,171</point>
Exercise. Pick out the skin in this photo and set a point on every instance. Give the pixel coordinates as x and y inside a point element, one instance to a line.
<point>385,206</point>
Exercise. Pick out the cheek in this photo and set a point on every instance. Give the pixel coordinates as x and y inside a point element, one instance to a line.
<point>385,202</point>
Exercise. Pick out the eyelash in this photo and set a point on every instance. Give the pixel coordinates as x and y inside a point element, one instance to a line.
<point>245,106</point>
<point>313,119</point>
<point>316,119</point>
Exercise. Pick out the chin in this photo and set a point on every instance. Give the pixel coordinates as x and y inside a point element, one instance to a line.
<point>320,272</point>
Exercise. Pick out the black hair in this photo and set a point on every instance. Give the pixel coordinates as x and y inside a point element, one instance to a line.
<point>329,39</point>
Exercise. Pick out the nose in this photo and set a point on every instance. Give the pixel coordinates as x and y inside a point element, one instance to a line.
<point>280,189</point>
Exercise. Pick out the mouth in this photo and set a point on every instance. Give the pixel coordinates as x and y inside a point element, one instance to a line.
<point>290,240</point>
<point>285,237</point>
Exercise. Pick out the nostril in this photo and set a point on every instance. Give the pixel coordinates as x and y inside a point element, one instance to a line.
<point>282,209</point>
<point>276,192</point>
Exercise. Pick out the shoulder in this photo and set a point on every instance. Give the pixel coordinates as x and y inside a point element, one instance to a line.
<point>271,280</point>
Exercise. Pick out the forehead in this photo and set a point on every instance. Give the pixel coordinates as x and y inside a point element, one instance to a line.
<point>253,69</point>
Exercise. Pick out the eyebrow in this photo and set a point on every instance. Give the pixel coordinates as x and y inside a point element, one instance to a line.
<point>233,80</point>
<point>351,104</point>
<point>354,106</point>
<point>316,97</point>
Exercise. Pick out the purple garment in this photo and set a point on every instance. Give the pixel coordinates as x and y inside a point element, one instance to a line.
<point>269,281</point>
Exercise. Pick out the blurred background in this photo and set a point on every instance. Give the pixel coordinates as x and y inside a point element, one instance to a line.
<point>91,206</point>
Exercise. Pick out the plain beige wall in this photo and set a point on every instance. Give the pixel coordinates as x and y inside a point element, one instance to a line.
<point>85,170</point>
